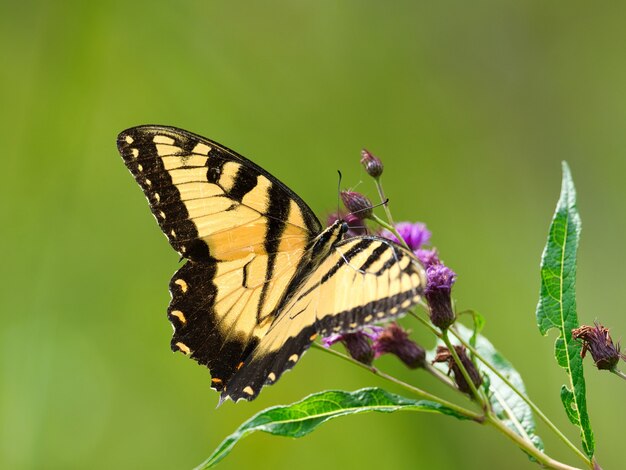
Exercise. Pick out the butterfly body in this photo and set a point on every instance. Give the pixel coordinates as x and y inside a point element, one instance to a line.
<point>262,278</point>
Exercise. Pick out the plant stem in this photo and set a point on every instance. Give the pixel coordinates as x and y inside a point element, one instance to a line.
<point>524,444</point>
<point>484,399</point>
<point>427,324</point>
<point>523,396</point>
<point>391,228</point>
<point>527,446</point>
<point>381,193</point>
<point>479,398</point>
<point>619,373</point>
<point>443,378</point>
<point>416,391</point>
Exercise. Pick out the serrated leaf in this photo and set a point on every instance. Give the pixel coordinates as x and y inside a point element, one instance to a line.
<point>557,305</point>
<point>303,417</point>
<point>506,404</point>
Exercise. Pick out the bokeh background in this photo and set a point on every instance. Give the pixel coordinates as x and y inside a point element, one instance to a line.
<point>472,106</point>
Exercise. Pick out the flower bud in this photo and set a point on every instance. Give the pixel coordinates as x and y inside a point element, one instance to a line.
<point>440,279</point>
<point>357,204</point>
<point>357,344</point>
<point>359,347</point>
<point>395,340</point>
<point>597,340</point>
<point>444,355</point>
<point>373,166</point>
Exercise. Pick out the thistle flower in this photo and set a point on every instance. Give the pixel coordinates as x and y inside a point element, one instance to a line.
<point>357,204</point>
<point>356,226</point>
<point>414,234</point>
<point>373,166</point>
<point>440,279</point>
<point>427,257</point>
<point>358,344</point>
<point>444,355</point>
<point>395,340</point>
<point>597,340</point>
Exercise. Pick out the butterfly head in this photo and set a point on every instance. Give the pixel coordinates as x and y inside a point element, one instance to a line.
<point>326,240</point>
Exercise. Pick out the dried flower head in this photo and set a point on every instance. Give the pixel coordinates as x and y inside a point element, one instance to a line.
<point>440,279</point>
<point>444,355</point>
<point>357,204</point>
<point>358,344</point>
<point>415,234</point>
<point>373,166</point>
<point>597,340</point>
<point>395,340</point>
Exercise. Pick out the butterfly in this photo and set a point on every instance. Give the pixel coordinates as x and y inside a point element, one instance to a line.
<point>262,277</point>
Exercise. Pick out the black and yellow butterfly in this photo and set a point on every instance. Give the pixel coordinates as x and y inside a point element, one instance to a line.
<point>263,278</point>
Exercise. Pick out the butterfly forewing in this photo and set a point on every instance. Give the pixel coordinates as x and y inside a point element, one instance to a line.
<point>210,202</point>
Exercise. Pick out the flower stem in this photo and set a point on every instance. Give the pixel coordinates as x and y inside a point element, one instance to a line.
<point>426,323</point>
<point>527,446</point>
<point>416,391</point>
<point>443,378</point>
<point>383,199</point>
<point>619,373</point>
<point>391,228</point>
<point>523,396</point>
<point>479,398</point>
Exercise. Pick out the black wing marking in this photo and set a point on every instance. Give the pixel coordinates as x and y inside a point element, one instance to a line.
<point>365,281</point>
<point>191,184</point>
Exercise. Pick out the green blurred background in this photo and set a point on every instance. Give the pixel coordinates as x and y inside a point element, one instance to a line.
<point>472,106</point>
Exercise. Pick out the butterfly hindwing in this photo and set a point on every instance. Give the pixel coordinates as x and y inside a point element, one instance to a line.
<point>196,322</point>
<point>363,281</point>
<point>220,310</point>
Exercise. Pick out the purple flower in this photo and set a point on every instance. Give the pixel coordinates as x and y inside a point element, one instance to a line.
<point>370,331</point>
<point>395,340</point>
<point>358,344</point>
<point>414,234</point>
<point>427,257</point>
<point>440,279</point>
<point>373,166</point>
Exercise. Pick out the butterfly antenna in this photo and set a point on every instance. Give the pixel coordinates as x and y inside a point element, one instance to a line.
<point>339,192</point>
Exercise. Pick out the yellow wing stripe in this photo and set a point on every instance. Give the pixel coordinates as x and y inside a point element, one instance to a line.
<point>229,173</point>
<point>258,197</point>
<point>184,161</point>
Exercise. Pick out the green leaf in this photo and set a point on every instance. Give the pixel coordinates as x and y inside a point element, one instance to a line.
<point>506,404</point>
<point>301,418</point>
<point>479,324</point>
<point>557,305</point>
